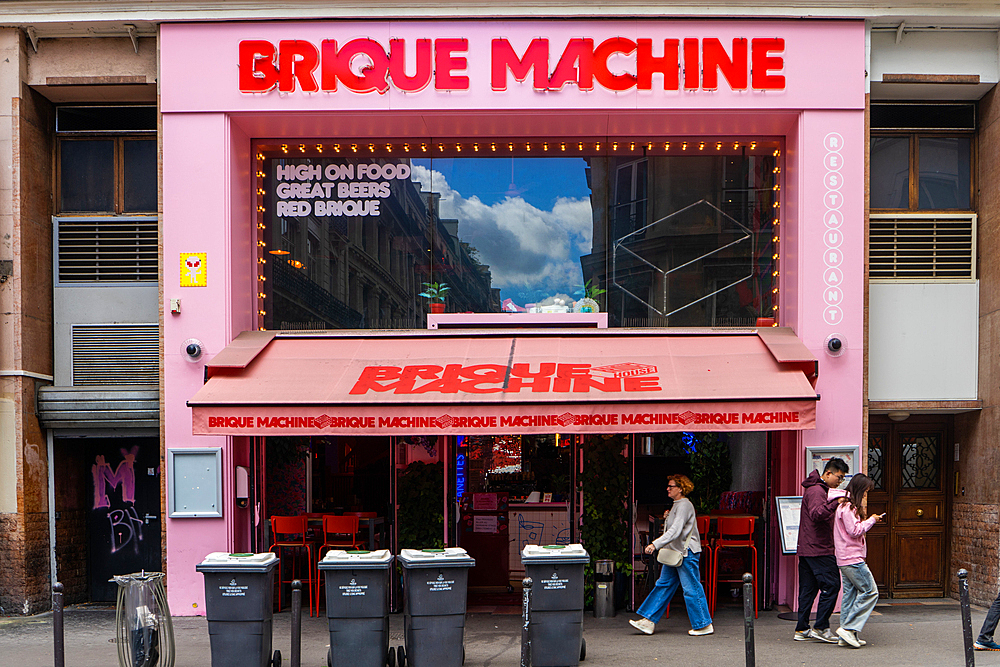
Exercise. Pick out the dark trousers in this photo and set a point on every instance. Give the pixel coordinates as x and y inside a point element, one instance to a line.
<point>817,573</point>
<point>990,624</point>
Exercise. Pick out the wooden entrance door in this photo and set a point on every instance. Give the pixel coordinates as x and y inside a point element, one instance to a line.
<point>909,463</point>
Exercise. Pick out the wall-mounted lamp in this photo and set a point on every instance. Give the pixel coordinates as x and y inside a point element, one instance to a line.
<point>647,445</point>
<point>898,416</point>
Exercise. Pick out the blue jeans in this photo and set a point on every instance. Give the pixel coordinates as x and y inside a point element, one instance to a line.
<point>860,596</point>
<point>689,578</point>
<point>990,624</point>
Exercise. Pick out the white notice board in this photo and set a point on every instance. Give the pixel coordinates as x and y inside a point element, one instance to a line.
<point>788,520</point>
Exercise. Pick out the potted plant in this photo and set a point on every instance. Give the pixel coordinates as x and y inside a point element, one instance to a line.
<point>434,292</point>
<point>589,304</point>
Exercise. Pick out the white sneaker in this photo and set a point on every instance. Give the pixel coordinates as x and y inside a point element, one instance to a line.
<point>841,642</point>
<point>707,630</point>
<point>849,637</point>
<point>643,625</point>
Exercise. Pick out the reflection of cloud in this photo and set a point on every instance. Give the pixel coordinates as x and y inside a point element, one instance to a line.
<point>524,246</point>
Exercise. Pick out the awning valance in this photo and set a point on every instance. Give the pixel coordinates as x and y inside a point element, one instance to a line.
<point>507,382</point>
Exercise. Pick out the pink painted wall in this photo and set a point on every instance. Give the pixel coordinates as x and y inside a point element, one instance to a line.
<point>208,126</point>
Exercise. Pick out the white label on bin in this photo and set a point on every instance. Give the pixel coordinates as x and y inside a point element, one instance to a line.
<point>555,583</point>
<point>353,589</point>
<point>440,584</point>
<point>233,590</point>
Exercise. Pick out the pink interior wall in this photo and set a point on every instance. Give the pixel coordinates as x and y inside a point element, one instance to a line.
<point>208,127</point>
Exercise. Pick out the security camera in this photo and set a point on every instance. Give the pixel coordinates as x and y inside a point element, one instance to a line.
<point>835,345</point>
<point>192,349</point>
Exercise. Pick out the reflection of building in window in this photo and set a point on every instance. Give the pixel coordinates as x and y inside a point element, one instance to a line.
<point>358,271</point>
<point>666,262</point>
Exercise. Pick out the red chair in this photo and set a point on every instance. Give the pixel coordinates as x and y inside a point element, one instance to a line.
<point>288,533</point>
<point>736,533</point>
<point>339,532</point>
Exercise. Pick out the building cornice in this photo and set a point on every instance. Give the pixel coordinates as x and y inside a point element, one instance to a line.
<point>66,18</point>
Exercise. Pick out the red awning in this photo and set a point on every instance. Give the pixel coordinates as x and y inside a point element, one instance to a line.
<point>507,382</point>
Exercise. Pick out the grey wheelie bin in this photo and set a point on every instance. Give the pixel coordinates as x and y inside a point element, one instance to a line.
<point>239,593</point>
<point>357,608</point>
<point>556,627</point>
<point>435,583</point>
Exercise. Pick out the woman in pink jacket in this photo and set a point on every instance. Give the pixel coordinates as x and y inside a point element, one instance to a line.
<point>850,524</point>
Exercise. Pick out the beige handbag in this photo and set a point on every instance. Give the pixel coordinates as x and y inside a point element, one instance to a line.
<point>672,557</point>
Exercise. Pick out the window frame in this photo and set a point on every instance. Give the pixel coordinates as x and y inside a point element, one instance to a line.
<point>913,158</point>
<point>119,140</point>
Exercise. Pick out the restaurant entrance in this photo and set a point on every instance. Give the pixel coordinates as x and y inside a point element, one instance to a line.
<point>510,491</point>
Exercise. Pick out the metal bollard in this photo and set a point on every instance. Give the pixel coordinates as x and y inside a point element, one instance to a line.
<point>59,647</point>
<point>296,623</point>
<point>963,593</point>
<point>526,615</point>
<point>748,619</point>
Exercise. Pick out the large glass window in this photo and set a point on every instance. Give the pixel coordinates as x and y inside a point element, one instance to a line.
<point>664,233</point>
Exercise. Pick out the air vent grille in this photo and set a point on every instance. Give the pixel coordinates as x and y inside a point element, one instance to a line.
<point>107,249</point>
<point>922,247</point>
<point>115,354</point>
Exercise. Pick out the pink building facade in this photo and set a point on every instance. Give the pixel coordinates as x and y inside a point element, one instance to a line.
<point>226,88</point>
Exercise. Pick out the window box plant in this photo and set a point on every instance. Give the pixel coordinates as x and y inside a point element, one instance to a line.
<point>435,293</point>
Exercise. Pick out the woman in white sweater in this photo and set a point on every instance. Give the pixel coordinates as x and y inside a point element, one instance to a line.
<point>680,533</point>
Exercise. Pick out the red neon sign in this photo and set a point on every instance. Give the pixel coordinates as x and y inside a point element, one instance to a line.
<point>364,65</point>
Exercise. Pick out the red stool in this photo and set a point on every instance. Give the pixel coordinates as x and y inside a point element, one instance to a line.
<point>736,533</point>
<point>289,533</point>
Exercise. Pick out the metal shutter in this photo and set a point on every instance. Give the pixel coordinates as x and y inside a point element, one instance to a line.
<point>115,354</point>
<point>921,246</point>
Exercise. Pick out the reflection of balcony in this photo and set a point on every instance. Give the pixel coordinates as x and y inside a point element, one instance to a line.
<point>314,298</point>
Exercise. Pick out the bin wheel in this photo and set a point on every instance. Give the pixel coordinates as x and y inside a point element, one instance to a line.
<point>391,658</point>
<point>276,659</point>
<point>583,649</point>
<point>329,657</point>
<point>400,657</point>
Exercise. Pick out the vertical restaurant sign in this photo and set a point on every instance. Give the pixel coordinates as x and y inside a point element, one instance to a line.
<point>194,269</point>
<point>617,64</point>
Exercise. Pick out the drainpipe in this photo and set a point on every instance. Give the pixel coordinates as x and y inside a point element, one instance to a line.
<point>50,447</point>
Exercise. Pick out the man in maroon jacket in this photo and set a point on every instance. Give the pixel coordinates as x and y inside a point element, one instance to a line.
<point>817,564</point>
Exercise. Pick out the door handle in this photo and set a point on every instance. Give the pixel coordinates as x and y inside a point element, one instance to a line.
<point>148,517</point>
<point>920,511</point>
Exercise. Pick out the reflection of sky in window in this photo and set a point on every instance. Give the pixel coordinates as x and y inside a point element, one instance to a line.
<point>529,219</point>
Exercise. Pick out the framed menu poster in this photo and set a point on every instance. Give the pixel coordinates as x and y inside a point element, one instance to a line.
<point>788,522</point>
<point>817,457</point>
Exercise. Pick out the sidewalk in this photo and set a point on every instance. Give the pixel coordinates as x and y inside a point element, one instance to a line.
<point>904,632</point>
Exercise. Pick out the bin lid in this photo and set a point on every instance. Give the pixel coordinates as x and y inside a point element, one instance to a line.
<point>569,554</point>
<point>447,557</point>
<point>338,559</point>
<point>220,561</point>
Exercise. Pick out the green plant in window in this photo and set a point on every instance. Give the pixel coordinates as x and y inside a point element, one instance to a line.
<point>606,483</point>
<point>592,291</point>
<point>421,514</point>
<point>435,292</point>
